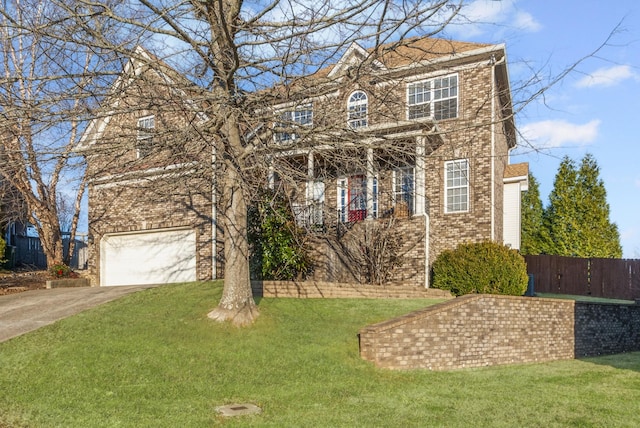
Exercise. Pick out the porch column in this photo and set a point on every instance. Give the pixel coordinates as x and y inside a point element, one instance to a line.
<point>271,178</point>
<point>310,177</point>
<point>370,177</point>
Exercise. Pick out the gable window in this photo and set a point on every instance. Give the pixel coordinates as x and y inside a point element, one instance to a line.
<point>434,98</point>
<point>352,198</point>
<point>144,141</point>
<point>291,119</point>
<point>357,108</point>
<point>403,192</point>
<point>456,186</point>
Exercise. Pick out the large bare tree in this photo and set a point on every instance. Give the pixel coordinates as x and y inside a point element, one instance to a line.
<point>46,88</point>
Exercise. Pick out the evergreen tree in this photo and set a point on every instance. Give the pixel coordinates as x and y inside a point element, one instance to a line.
<point>577,218</point>
<point>560,216</point>
<point>598,236</point>
<point>535,237</point>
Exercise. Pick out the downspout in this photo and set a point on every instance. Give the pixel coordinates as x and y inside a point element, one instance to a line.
<point>421,200</point>
<point>214,218</point>
<point>493,148</point>
<point>426,244</point>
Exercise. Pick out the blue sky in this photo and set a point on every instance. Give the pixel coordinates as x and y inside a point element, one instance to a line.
<point>593,109</point>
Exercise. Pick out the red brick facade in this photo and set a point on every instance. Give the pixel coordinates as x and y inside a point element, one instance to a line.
<point>129,194</point>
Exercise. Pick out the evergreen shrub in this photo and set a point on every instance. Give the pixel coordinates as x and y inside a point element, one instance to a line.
<point>3,248</point>
<point>484,268</point>
<point>279,249</point>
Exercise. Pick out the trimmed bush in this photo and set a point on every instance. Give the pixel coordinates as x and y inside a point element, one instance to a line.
<point>278,245</point>
<point>485,267</point>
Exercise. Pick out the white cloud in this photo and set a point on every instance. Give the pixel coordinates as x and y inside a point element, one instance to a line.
<point>481,16</point>
<point>557,133</point>
<point>606,76</point>
<point>526,21</point>
<point>487,10</point>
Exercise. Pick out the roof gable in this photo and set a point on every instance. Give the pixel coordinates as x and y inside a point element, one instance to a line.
<point>354,56</point>
<point>140,62</point>
<point>394,58</point>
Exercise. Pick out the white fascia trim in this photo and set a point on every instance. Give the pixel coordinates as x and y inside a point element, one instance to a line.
<point>303,102</point>
<point>355,47</point>
<point>517,179</point>
<point>480,51</point>
<point>133,181</point>
<point>148,174</point>
<point>147,231</point>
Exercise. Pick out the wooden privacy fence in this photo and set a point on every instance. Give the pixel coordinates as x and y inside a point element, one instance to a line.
<point>609,278</point>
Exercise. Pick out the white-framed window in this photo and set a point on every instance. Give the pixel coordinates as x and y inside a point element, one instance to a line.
<point>144,143</point>
<point>404,191</point>
<point>357,110</point>
<point>352,198</point>
<point>289,120</point>
<point>456,186</point>
<point>434,98</point>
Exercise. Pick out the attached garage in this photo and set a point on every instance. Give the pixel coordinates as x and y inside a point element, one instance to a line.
<point>150,257</point>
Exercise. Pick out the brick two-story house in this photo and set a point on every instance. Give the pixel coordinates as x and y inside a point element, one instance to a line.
<point>151,216</point>
<point>420,166</point>
<point>410,148</point>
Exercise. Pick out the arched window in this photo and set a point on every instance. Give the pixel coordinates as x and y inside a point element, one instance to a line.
<point>357,107</point>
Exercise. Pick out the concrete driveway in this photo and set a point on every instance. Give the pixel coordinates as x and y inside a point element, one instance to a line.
<point>24,312</point>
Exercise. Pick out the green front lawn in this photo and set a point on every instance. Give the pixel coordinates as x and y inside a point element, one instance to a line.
<point>153,359</point>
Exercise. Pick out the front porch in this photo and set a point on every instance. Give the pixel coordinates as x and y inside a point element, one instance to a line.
<point>363,200</point>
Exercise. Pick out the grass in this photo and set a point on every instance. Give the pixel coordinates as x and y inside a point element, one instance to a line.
<point>153,359</point>
<point>590,299</point>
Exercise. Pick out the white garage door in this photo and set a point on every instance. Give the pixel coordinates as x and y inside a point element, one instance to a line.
<point>157,257</point>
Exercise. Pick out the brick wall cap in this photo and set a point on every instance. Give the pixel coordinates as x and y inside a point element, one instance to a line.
<point>459,301</point>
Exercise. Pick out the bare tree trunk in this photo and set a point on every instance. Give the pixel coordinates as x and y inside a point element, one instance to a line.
<point>74,221</point>
<point>237,304</point>
<point>51,239</point>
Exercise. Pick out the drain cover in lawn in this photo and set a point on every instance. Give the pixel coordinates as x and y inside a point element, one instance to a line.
<point>238,409</point>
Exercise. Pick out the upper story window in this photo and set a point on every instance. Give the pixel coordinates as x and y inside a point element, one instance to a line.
<point>436,98</point>
<point>357,109</point>
<point>144,141</point>
<point>456,186</point>
<point>290,119</point>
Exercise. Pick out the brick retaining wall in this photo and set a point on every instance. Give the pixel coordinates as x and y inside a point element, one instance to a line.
<point>320,289</point>
<point>485,330</point>
<point>603,329</point>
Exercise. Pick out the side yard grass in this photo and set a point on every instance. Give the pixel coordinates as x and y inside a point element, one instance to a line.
<point>153,359</point>
<point>588,299</point>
